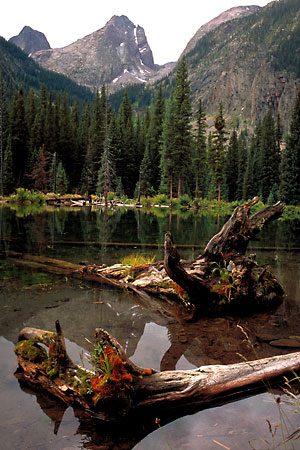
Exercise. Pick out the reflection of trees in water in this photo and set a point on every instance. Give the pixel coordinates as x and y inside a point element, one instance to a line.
<point>106,223</point>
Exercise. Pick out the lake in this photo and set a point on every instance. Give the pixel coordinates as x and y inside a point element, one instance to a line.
<point>152,337</point>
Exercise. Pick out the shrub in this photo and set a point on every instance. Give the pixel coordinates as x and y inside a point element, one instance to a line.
<point>161,199</point>
<point>25,196</point>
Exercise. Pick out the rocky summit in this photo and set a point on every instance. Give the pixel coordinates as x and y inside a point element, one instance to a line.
<point>233,13</point>
<point>117,54</point>
<point>30,40</point>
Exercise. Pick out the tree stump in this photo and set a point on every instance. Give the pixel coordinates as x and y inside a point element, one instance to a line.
<point>223,277</point>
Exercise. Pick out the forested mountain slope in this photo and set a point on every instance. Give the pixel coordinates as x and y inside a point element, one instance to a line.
<point>16,69</point>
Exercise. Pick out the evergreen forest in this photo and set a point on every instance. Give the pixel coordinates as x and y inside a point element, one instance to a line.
<point>49,143</point>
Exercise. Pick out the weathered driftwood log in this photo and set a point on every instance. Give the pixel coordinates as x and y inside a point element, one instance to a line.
<point>116,387</point>
<point>222,278</point>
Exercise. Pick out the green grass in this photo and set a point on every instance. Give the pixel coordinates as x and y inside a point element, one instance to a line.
<point>137,259</point>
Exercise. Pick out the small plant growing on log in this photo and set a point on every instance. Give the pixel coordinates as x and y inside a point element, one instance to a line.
<point>28,349</point>
<point>112,379</point>
<point>55,365</point>
<point>226,284</point>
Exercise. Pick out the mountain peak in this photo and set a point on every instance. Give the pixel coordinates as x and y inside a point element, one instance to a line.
<point>116,54</point>
<point>30,40</point>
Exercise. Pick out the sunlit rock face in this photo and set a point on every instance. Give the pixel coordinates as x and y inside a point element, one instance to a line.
<point>116,54</point>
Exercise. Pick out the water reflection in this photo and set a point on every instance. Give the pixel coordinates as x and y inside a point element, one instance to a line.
<point>154,334</point>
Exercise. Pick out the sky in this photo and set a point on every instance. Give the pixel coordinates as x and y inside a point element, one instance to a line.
<point>168,24</point>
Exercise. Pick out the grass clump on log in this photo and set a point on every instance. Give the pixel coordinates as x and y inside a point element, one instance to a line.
<point>137,259</point>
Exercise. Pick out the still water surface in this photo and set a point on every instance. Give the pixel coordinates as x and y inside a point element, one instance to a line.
<point>151,336</point>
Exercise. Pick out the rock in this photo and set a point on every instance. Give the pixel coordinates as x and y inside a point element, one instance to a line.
<point>266,337</point>
<point>30,40</point>
<point>286,343</point>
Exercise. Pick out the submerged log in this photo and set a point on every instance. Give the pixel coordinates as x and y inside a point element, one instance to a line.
<point>116,387</point>
<point>223,278</point>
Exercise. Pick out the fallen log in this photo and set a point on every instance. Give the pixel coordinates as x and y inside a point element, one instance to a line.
<point>223,278</point>
<point>116,387</point>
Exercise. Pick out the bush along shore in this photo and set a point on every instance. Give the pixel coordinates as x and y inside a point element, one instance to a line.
<point>24,197</point>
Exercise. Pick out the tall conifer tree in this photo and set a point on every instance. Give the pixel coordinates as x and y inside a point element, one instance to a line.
<point>269,157</point>
<point>182,151</point>
<point>154,141</point>
<point>242,162</point>
<point>19,136</point>
<point>218,150</point>
<point>167,166</point>
<point>290,166</point>
<point>231,167</point>
<point>127,148</point>
<point>3,131</point>
<point>200,159</point>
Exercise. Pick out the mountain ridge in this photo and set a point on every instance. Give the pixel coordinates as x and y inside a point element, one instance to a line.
<point>117,54</point>
<point>235,12</point>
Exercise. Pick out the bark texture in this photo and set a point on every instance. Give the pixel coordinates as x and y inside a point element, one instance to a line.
<point>145,390</point>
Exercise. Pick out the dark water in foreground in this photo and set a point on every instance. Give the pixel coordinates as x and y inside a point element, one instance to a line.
<point>151,337</point>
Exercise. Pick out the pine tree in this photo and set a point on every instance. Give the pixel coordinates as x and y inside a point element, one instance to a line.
<point>51,135</point>
<point>19,136</point>
<point>290,165</point>
<point>107,180</point>
<point>218,150</point>
<point>140,139</point>
<point>40,173</point>
<point>31,114</point>
<point>145,174</point>
<point>75,163</point>
<point>231,170</point>
<point>8,174</point>
<point>182,152</point>
<point>53,174</point>
<point>84,145</point>
<point>65,149</point>
<point>242,162</point>
<point>126,158</point>
<point>3,132</point>
<point>256,160</point>
<point>154,141</point>
<point>97,138</point>
<point>167,165</point>
<point>200,159</point>
<point>249,190</point>
<point>269,157</point>
<point>62,181</point>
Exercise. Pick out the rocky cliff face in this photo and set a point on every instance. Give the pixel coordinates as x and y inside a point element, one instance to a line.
<point>30,40</point>
<point>116,54</point>
<point>250,64</point>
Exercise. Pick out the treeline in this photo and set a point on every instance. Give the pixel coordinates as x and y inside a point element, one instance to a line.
<point>47,145</point>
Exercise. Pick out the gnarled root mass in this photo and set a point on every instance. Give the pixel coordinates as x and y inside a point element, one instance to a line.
<point>223,276</point>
